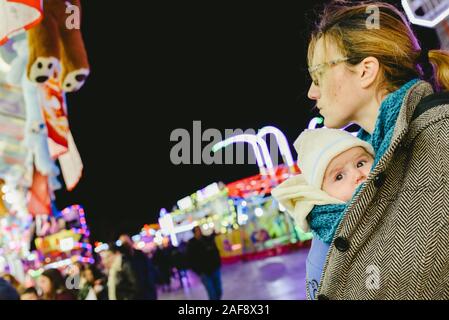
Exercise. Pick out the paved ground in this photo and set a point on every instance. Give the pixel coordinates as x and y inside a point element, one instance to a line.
<point>274,278</point>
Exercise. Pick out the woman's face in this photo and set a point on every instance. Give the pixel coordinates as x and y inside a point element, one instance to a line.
<point>74,270</point>
<point>337,95</point>
<point>45,284</point>
<point>107,258</point>
<point>89,276</point>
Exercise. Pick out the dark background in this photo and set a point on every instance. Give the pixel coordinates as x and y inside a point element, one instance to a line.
<point>158,67</point>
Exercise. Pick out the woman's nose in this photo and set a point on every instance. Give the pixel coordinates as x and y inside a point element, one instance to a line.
<point>314,92</point>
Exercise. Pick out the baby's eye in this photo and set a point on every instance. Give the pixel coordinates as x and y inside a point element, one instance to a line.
<point>339,177</point>
<point>361,163</point>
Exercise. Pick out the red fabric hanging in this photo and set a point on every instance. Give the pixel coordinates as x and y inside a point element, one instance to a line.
<point>39,199</point>
<point>18,15</point>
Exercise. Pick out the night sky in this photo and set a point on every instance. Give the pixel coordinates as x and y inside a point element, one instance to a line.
<point>159,67</point>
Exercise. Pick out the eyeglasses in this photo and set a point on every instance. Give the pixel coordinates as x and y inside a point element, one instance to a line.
<point>313,70</point>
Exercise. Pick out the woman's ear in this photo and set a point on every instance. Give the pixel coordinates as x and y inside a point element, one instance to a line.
<point>368,71</point>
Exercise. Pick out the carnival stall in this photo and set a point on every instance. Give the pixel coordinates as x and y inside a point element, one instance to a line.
<point>66,241</point>
<point>36,144</point>
<point>208,208</point>
<point>244,217</point>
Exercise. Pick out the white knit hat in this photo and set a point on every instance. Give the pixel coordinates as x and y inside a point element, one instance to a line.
<point>299,198</point>
<point>317,147</point>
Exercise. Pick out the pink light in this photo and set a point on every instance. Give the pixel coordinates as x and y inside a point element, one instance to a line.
<point>86,260</point>
<point>259,146</point>
<point>281,141</point>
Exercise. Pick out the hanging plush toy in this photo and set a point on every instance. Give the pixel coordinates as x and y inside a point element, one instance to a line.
<point>47,134</point>
<point>35,129</point>
<point>56,46</point>
<point>41,166</point>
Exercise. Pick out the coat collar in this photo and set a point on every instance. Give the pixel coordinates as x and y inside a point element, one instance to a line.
<point>411,100</point>
<point>439,111</point>
<point>420,90</point>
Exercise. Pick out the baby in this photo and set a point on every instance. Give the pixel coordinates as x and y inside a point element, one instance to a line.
<point>333,164</point>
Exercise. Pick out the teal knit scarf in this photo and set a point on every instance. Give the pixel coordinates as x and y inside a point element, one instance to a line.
<point>325,219</point>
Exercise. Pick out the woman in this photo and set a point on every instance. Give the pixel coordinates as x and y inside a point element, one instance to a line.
<point>390,241</point>
<point>122,282</point>
<point>94,284</point>
<point>52,284</point>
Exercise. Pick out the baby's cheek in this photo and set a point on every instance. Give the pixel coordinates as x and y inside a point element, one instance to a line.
<point>343,193</point>
<point>347,197</point>
<point>335,191</point>
<point>327,188</point>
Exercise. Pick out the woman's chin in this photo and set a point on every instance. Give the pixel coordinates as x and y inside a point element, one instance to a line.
<point>328,123</point>
<point>333,123</point>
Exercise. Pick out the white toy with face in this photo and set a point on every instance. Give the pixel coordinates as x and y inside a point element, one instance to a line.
<point>35,129</point>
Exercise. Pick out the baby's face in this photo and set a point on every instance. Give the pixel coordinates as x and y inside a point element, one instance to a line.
<point>346,172</point>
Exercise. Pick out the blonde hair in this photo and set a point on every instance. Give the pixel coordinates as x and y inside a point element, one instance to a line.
<point>393,44</point>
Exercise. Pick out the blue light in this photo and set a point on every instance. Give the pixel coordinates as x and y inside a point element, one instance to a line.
<point>162,212</point>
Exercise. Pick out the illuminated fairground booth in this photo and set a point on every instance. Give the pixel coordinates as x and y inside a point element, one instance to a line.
<point>245,218</point>
<point>60,241</point>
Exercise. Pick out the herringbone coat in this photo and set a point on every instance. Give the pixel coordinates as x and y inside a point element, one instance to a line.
<point>393,242</point>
